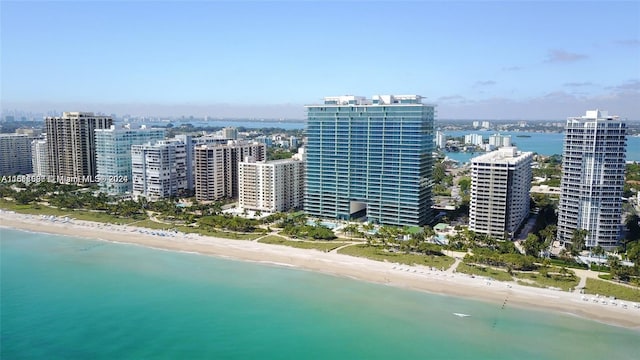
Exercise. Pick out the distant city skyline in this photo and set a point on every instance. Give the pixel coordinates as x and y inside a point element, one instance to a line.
<point>474,60</point>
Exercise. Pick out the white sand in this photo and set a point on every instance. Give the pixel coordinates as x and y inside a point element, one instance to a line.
<point>411,277</point>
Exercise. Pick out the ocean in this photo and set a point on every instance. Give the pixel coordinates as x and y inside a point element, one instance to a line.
<point>70,298</point>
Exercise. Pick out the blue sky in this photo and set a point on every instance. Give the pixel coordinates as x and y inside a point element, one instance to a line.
<point>475,60</point>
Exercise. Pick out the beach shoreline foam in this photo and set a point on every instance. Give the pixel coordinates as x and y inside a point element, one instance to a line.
<point>418,278</point>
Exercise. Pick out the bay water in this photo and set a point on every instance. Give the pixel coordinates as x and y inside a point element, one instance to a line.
<point>541,143</point>
<point>72,298</point>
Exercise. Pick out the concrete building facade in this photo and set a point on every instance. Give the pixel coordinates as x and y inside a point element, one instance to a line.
<point>500,184</point>
<point>71,145</point>
<point>593,171</point>
<point>15,154</point>
<point>271,186</point>
<point>39,158</point>
<point>216,168</point>
<point>159,170</point>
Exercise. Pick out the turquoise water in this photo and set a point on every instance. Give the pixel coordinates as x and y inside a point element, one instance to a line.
<point>67,298</point>
<point>541,143</point>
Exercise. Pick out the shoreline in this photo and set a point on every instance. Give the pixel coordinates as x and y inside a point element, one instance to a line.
<point>417,278</point>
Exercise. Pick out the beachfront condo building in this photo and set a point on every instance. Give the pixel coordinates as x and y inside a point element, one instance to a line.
<point>71,145</point>
<point>191,142</point>
<point>159,169</point>
<point>216,167</point>
<point>370,158</point>
<point>271,186</point>
<point>15,154</point>
<point>500,184</point>
<point>39,158</point>
<point>113,155</point>
<point>593,170</point>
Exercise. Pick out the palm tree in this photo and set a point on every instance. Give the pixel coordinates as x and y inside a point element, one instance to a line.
<point>578,240</point>
<point>598,250</point>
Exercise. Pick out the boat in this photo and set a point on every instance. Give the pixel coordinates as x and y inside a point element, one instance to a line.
<point>461,315</point>
<point>523,136</point>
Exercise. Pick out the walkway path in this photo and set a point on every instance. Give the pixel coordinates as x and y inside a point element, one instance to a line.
<point>581,284</point>
<point>453,267</point>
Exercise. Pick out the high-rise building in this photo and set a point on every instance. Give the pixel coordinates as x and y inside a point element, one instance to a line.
<point>71,144</point>
<point>271,186</point>
<point>15,154</point>
<point>440,140</point>
<point>159,170</point>
<point>473,139</point>
<point>370,158</point>
<point>230,133</point>
<point>216,167</point>
<point>39,158</point>
<point>113,156</point>
<point>293,142</point>
<point>593,170</point>
<point>500,184</point>
<point>498,141</point>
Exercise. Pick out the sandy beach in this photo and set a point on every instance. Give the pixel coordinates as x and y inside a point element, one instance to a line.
<point>412,277</point>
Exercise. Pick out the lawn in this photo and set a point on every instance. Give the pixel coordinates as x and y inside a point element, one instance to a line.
<point>379,254</point>
<point>607,288</point>
<point>106,218</point>
<point>495,274</point>
<point>554,280</point>
<point>73,214</point>
<point>317,245</point>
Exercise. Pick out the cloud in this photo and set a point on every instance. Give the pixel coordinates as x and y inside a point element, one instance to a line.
<point>578,84</point>
<point>631,85</point>
<point>562,56</point>
<point>453,99</point>
<point>556,105</point>
<point>629,42</point>
<point>512,68</point>
<point>484,83</point>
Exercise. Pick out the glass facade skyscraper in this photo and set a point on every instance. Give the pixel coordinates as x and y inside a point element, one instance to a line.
<point>113,156</point>
<point>370,158</point>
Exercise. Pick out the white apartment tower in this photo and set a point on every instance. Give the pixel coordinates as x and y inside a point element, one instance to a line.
<point>216,167</point>
<point>113,155</point>
<point>271,186</point>
<point>473,139</point>
<point>39,158</point>
<point>500,184</point>
<point>71,144</point>
<point>498,141</point>
<point>440,139</point>
<point>593,170</point>
<point>159,170</point>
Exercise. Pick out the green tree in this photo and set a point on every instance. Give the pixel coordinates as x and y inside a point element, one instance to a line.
<point>465,184</point>
<point>532,245</point>
<point>578,239</point>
